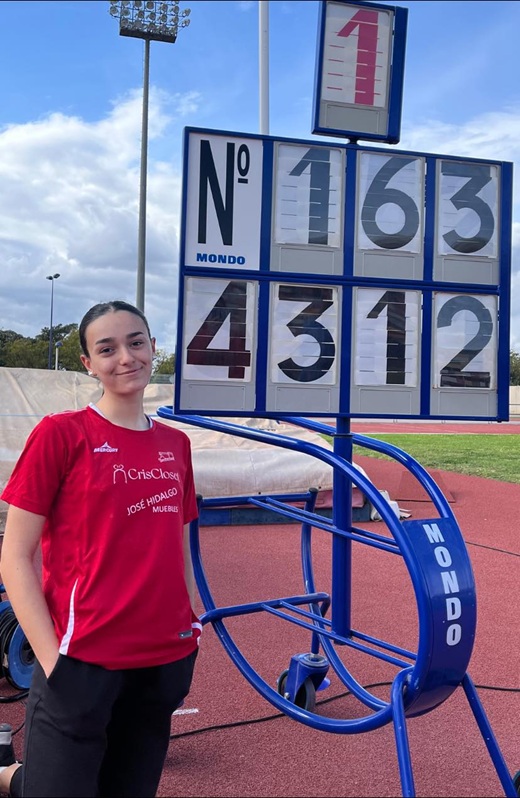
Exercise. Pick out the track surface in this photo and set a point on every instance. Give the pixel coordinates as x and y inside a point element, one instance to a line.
<point>228,741</point>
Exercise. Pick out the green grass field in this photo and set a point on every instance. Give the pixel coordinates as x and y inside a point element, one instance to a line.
<point>490,456</point>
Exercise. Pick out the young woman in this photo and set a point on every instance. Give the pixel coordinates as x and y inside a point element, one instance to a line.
<point>109,494</point>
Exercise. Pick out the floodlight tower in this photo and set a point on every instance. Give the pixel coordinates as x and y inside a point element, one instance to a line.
<point>151,21</point>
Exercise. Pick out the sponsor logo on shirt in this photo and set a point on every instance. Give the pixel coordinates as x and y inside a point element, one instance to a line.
<point>123,474</point>
<point>165,457</point>
<point>106,448</point>
<point>154,503</point>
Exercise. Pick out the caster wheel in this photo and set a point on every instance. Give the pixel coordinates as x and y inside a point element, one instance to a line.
<point>306,695</point>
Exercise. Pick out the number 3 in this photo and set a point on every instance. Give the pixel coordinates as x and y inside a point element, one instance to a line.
<point>306,323</point>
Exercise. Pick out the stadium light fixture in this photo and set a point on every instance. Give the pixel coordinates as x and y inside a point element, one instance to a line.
<point>150,20</point>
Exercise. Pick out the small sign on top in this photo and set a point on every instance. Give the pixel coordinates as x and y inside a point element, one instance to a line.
<point>360,70</point>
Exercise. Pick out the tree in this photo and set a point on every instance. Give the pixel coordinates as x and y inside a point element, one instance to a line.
<point>7,337</point>
<point>69,352</point>
<point>33,353</point>
<point>59,332</point>
<point>164,363</point>
<point>514,365</point>
<point>16,351</point>
<point>26,353</point>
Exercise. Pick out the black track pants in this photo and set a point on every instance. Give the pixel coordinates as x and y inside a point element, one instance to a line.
<point>96,733</point>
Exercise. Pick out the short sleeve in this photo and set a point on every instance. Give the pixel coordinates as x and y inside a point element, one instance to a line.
<point>39,471</point>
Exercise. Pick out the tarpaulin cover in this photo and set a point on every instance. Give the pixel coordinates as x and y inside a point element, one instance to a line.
<point>224,465</point>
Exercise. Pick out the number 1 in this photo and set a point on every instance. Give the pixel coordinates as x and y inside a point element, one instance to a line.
<point>365,22</point>
<point>395,303</point>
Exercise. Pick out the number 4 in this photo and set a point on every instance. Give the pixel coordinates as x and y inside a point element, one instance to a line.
<point>232,305</point>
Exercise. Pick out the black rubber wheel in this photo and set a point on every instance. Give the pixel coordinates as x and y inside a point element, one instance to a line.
<point>306,695</point>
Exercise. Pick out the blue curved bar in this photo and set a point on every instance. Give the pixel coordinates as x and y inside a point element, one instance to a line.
<point>415,468</point>
<point>321,453</point>
<point>423,660</point>
<point>441,574</point>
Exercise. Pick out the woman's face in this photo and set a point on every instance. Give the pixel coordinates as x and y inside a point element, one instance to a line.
<point>120,352</point>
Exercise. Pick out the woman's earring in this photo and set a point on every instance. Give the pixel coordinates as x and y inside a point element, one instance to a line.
<point>90,373</point>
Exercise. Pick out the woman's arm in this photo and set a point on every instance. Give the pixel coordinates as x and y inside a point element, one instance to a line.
<point>188,566</point>
<point>22,582</point>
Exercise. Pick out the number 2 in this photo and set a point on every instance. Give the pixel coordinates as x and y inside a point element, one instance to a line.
<point>452,374</point>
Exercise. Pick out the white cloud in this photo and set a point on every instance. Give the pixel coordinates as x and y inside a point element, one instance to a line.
<point>69,204</point>
<point>495,136</point>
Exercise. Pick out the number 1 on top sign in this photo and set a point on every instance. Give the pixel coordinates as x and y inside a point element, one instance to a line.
<point>356,55</point>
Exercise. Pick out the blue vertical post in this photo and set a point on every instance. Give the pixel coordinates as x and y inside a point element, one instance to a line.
<point>342,547</point>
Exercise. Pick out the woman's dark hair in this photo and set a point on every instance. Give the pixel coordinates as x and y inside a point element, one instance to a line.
<point>100,310</point>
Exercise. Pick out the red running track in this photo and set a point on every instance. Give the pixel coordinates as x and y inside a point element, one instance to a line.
<point>228,741</point>
<point>430,427</point>
<point>242,747</point>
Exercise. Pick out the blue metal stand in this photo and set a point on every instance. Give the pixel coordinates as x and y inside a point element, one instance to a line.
<point>436,558</point>
<point>17,663</point>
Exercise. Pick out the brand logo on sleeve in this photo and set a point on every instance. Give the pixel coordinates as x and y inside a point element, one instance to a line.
<point>106,448</point>
<point>165,457</point>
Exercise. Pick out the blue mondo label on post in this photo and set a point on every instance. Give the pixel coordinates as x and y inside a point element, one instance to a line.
<point>444,587</point>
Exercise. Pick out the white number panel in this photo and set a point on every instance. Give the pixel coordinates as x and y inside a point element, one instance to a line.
<point>465,341</point>
<point>390,203</point>
<point>360,70</point>
<point>468,209</point>
<point>390,216</point>
<point>342,280</point>
<point>219,321</point>
<point>387,337</point>
<point>356,55</point>
<point>304,349</point>
<point>468,222</point>
<point>304,339</point>
<point>309,195</point>
<point>224,198</point>
<point>308,209</point>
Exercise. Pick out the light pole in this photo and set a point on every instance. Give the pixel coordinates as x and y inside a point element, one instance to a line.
<point>57,348</point>
<point>51,277</point>
<point>263,64</point>
<point>152,21</point>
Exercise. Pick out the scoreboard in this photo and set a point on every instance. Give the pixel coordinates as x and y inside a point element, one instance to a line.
<point>332,279</point>
<point>341,280</point>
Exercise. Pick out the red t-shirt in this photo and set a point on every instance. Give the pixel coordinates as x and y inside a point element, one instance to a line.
<point>115,502</point>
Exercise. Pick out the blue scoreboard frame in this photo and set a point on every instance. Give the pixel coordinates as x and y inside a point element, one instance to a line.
<point>326,279</point>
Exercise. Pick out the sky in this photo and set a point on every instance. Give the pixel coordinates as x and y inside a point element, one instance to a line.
<point>70,131</point>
